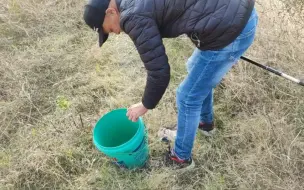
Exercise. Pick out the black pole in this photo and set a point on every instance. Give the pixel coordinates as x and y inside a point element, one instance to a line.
<point>300,82</point>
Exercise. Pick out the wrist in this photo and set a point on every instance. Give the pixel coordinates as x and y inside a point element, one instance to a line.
<point>144,107</point>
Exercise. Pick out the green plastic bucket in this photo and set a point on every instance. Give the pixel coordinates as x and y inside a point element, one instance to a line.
<point>121,139</point>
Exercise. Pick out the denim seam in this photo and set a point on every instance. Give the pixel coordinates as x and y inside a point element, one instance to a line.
<point>233,53</point>
<point>251,31</point>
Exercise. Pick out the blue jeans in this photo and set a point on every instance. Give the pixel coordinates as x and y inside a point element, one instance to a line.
<point>195,94</point>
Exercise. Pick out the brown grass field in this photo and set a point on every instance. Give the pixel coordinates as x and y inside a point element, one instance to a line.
<point>55,83</point>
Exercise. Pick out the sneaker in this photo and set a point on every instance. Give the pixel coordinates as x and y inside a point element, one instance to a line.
<point>206,129</point>
<point>167,134</point>
<point>178,164</point>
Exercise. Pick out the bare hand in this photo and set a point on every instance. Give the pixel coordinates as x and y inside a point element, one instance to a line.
<point>135,111</point>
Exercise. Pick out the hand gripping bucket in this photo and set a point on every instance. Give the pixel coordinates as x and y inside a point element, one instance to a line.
<point>121,139</point>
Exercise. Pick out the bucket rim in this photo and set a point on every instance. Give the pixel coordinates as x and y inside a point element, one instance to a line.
<point>140,121</point>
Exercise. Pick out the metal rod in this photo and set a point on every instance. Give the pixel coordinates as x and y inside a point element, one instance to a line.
<point>298,81</point>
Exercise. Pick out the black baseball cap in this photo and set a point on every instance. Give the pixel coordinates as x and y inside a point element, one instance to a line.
<point>94,14</point>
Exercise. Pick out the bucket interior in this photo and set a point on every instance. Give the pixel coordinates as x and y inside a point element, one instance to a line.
<point>115,129</point>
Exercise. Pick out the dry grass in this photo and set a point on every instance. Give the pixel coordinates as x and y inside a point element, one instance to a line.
<point>55,83</point>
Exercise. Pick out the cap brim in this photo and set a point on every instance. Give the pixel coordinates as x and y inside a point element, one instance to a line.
<point>102,38</point>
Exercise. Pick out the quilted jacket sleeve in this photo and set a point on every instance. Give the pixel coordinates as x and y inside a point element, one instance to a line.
<point>147,39</point>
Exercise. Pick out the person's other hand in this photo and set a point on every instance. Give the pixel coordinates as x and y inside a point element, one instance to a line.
<point>135,111</point>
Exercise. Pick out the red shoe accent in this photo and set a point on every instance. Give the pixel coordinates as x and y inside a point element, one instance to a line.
<point>177,160</point>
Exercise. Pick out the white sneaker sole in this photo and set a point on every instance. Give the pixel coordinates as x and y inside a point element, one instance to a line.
<point>188,168</point>
<point>208,133</point>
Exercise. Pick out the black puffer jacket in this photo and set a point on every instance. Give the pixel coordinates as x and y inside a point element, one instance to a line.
<point>211,25</point>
